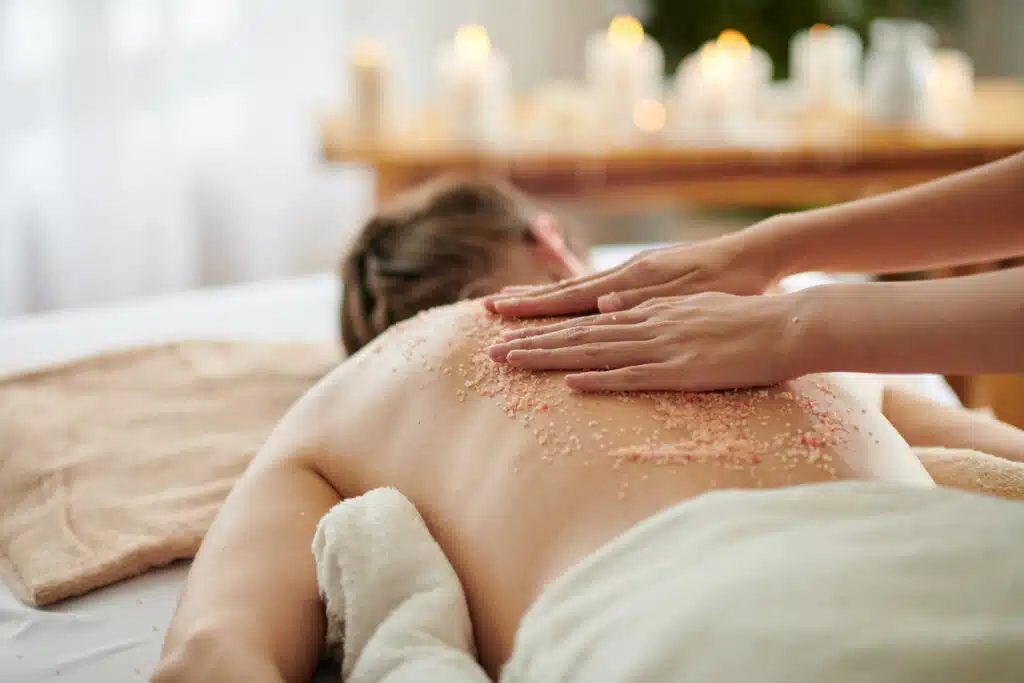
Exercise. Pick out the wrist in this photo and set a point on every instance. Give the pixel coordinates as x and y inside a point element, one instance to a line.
<point>808,330</point>
<point>770,247</point>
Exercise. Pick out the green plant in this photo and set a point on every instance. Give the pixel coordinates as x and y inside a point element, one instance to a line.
<point>682,26</point>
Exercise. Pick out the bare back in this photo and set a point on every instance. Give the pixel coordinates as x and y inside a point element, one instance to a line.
<point>518,479</point>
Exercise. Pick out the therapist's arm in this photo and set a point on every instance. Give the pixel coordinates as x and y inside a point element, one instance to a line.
<point>967,325</point>
<point>250,611</point>
<point>711,341</point>
<point>969,217</point>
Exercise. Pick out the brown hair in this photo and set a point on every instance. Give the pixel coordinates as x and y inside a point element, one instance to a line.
<point>428,248</point>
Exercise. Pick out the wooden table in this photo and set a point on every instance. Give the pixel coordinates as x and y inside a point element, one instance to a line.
<point>849,162</point>
<point>853,161</point>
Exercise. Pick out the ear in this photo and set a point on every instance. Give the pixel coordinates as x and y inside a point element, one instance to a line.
<point>547,231</point>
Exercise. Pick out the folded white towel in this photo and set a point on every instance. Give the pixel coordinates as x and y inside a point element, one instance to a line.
<point>395,607</point>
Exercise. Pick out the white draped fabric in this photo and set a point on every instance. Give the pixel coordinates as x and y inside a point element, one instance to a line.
<point>153,145</point>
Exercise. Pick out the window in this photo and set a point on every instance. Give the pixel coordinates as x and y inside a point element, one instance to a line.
<point>33,38</point>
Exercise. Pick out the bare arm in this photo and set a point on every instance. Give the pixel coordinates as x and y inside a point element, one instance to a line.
<point>969,217</point>
<point>923,422</point>
<point>251,610</point>
<point>967,325</point>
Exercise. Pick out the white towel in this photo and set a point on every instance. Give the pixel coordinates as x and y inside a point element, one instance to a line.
<point>395,608</point>
<point>842,582</point>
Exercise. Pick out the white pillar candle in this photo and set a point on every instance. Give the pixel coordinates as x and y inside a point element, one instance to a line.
<point>369,86</point>
<point>825,63</point>
<point>475,89</point>
<point>950,90</point>
<point>624,67</point>
<point>720,89</point>
<point>897,72</point>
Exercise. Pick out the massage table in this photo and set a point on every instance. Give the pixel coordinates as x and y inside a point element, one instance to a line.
<point>115,634</point>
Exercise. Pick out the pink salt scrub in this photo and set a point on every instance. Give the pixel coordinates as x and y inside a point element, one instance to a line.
<point>705,428</point>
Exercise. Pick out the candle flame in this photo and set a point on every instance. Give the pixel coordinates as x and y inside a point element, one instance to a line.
<point>733,41</point>
<point>649,116</point>
<point>625,31</point>
<point>472,42</point>
<point>818,29</point>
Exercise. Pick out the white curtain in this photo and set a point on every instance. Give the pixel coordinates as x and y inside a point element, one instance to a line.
<point>149,146</point>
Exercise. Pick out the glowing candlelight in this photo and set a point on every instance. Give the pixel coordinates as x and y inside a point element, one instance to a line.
<point>476,93</point>
<point>649,116</point>
<point>624,67</point>
<point>826,64</point>
<point>472,42</point>
<point>625,32</point>
<point>720,88</point>
<point>734,43</point>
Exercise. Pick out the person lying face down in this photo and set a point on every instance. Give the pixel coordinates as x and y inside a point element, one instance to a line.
<point>517,478</point>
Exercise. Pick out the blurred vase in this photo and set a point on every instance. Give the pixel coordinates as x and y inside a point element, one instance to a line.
<point>897,72</point>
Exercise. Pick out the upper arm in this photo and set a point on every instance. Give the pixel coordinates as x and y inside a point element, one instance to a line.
<point>254,578</point>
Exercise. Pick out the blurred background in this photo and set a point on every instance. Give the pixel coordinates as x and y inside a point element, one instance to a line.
<point>151,146</point>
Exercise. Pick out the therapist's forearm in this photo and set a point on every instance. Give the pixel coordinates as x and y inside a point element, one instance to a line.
<point>967,325</point>
<point>969,217</point>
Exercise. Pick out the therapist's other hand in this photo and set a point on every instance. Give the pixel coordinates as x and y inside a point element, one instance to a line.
<point>702,342</point>
<point>726,264</point>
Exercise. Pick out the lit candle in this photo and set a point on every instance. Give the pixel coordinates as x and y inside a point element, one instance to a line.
<point>720,89</point>
<point>624,66</point>
<point>476,94</point>
<point>369,88</point>
<point>825,62</point>
<point>950,90</point>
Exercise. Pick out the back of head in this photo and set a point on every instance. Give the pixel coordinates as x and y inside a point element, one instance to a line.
<point>439,243</point>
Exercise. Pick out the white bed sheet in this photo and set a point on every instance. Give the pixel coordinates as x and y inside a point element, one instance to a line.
<point>115,634</point>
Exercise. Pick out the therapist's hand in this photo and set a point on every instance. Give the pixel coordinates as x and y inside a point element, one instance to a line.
<point>730,264</point>
<point>695,343</point>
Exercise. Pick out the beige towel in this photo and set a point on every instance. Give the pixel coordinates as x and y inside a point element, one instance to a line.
<point>115,464</point>
<point>960,468</point>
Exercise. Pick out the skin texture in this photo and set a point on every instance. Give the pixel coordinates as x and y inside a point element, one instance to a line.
<point>685,340</point>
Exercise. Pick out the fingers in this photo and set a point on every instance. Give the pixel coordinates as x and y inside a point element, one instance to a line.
<point>639,377</point>
<point>537,290</point>
<point>626,318</point>
<point>586,357</point>
<point>629,298</point>
<point>571,337</point>
<point>568,298</point>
